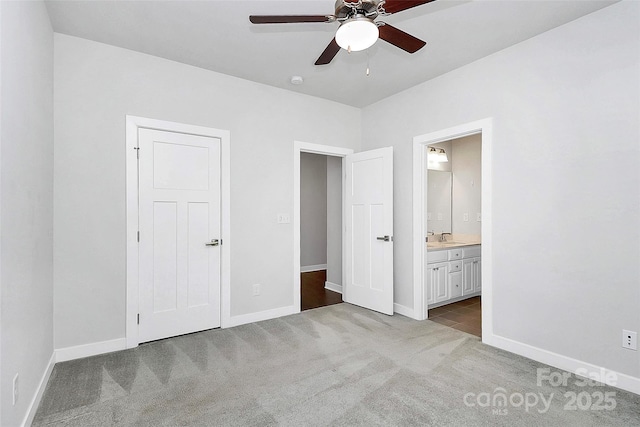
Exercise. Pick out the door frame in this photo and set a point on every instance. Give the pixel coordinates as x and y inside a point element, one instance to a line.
<point>327,150</point>
<point>133,123</point>
<point>485,128</point>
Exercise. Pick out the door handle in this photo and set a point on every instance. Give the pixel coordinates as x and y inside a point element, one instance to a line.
<point>214,242</point>
<point>385,238</point>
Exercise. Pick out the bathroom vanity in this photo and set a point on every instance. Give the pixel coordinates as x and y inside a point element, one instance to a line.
<point>452,272</point>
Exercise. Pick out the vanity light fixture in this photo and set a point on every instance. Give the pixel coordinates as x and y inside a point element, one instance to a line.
<point>442,155</point>
<point>437,155</point>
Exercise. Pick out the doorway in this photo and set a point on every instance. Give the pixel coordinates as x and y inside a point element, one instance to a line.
<point>320,230</point>
<point>453,221</point>
<point>437,269</point>
<point>318,279</point>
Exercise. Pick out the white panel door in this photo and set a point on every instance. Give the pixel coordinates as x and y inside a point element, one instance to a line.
<point>369,230</point>
<point>179,275</point>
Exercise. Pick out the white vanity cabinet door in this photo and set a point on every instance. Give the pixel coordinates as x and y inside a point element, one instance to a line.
<point>477,270</point>
<point>471,277</point>
<point>437,286</point>
<point>455,284</point>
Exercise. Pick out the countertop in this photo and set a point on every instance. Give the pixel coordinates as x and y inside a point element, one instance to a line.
<point>454,242</point>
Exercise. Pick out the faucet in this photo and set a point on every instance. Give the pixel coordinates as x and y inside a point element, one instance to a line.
<point>443,238</point>
<point>429,233</point>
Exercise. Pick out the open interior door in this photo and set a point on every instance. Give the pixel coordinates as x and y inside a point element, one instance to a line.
<point>369,230</point>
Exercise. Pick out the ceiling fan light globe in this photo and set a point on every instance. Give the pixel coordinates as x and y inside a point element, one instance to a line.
<point>357,34</point>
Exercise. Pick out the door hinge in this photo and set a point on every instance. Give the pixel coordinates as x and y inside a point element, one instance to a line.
<point>138,318</point>
<point>137,151</point>
<point>138,236</point>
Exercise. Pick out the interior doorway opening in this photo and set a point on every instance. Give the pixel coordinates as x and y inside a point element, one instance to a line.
<point>320,230</point>
<point>434,286</point>
<point>337,154</point>
<point>453,215</point>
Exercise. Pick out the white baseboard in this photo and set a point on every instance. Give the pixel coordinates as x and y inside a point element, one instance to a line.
<point>35,402</point>
<point>404,310</point>
<point>262,315</point>
<point>86,350</point>
<point>333,287</point>
<point>608,376</point>
<point>309,268</point>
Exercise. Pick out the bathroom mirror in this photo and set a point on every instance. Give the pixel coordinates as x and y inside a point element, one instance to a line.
<point>438,201</point>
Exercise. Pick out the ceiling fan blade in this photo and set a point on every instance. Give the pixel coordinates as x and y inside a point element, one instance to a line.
<point>394,6</point>
<point>287,19</point>
<point>400,39</point>
<point>329,53</point>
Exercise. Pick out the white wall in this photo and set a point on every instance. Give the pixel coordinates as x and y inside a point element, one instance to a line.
<point>26,201</point>
<point>313,210</point>
<point>466,165</point>
<point>566,181</point>
<point>96,85</point>
<point>334,220</point>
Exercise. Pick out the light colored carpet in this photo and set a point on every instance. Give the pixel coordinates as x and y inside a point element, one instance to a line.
<point>337,365</point>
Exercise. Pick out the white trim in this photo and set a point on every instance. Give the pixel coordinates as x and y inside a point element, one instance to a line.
<point>243,319</point>
<point>306,147</point>
<point>623,381</point>
<point>132,126</point>
<point>404,311</point>
<point>92,349</point>
<point>310,268</point>
<point>42,385</point>
<point>333,287</point>
<point>484,127</point>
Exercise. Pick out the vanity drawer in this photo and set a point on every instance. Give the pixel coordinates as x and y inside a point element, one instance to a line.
<point>471,251</point>
<point>455,254</point>
<point>455,266</point>
<point>437,256</point>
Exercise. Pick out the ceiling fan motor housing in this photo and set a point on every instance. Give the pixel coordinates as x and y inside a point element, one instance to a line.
<point>347,9</point>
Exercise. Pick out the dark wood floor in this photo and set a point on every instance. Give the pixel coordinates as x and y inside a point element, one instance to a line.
<point>312,291</point>
<point>465,315</point>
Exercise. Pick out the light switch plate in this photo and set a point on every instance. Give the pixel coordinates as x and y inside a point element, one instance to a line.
<point>465,217</point>
<point>439,217</point>
<point>284,218</point>
<point>478,217</point>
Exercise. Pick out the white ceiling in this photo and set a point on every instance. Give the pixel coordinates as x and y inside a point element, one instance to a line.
<point>218,36</point>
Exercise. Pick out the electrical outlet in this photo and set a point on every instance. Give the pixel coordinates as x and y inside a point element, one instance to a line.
<point>283,218</point>
<point>465,217</point>
<point>256,289</point>
<point>629,339</point>
<point>440,216</point>
<point>15,389</point>
<point>478,217</point>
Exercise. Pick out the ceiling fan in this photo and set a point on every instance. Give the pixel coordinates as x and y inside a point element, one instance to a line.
<point>358,29</point>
